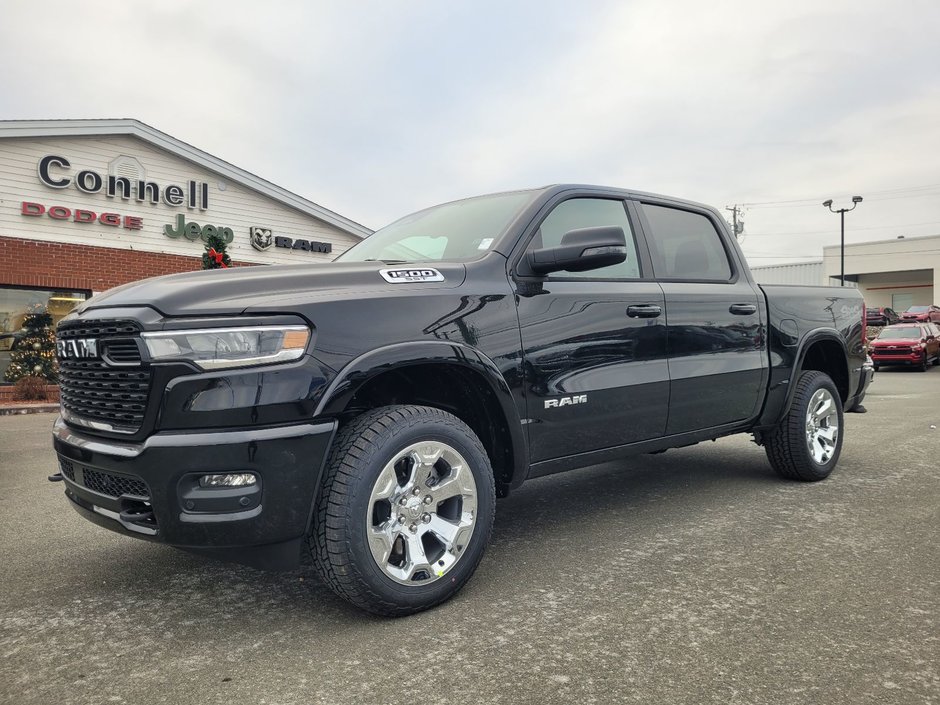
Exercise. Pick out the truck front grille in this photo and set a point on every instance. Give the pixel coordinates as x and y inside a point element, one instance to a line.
<point>107,394</point>
<point>98,329</point>
<point>116,396</point>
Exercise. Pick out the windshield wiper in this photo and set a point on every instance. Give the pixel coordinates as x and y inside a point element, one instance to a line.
<point>386,261</point>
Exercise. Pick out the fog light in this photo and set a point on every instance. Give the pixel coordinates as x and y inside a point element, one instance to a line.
<point>232,479</point>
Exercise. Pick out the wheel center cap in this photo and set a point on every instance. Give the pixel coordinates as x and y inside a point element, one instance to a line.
<point>413,507</point>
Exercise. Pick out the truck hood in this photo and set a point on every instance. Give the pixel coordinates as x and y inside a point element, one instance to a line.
<point>231,291</point>
<point>881,342</point>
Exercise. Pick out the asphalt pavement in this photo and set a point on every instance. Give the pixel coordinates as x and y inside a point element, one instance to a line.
<point>695,576</point>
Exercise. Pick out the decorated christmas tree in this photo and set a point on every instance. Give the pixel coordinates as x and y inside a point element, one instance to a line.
<point>215,256</point>
<point>33,353</point>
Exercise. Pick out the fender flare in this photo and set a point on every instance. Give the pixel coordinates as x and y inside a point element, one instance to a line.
<point>810,339</point>
<point>362,369</point>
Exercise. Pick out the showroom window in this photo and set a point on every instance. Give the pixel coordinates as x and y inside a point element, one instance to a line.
<point>17,306</point>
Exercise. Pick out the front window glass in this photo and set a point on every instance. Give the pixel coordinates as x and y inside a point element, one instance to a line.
<point>901,333</point>
<point>578,213</point>
<point>917,309</point>
<point>28,318</point>
<point>461,230</point>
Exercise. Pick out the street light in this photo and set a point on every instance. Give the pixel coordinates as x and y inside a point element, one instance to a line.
<point>842,211</point>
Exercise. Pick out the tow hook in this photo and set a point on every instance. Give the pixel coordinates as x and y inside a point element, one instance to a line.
<point>135,512</point>
<point>55,478</point>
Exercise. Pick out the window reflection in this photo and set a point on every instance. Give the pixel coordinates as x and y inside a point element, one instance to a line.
<point>15,304</point>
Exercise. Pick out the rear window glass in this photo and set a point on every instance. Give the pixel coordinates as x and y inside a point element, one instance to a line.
<point>685,245</point>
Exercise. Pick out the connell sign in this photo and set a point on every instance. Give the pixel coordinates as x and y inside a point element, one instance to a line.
<point>56,172</point>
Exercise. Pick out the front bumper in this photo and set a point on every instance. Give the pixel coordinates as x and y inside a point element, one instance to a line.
<point>915,358</point>
<point>146,489</point>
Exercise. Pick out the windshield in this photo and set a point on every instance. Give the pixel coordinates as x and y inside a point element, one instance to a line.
<point>901,333</point>
<point>917,309</point>
<point>460,230</point>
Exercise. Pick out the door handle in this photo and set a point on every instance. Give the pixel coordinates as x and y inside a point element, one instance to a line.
<point>644,311</point>
<point>743,309</point>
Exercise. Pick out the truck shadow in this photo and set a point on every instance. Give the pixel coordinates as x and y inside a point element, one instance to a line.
<point>690,483</point>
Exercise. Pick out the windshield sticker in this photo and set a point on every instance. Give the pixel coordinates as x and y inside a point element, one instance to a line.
<point>485,243</point>
<point>401,276</point>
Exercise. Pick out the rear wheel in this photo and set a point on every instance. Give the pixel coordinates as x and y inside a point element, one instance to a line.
<point>405,511</point>
<point>807,442</point>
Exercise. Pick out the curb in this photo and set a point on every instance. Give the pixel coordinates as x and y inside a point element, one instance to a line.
<point>13,409</point>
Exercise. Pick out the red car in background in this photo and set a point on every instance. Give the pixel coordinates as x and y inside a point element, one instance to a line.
<point>912,344</point>
<point>922,313</point>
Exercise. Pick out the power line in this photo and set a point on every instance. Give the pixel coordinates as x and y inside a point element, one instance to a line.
<point>864,227</point>
<point>889,194</point>
<point>766,255</point>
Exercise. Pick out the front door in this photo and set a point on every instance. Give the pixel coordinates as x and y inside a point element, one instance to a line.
<point>593,342</point>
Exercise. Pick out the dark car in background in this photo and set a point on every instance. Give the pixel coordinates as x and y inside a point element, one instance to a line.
<point>922,313</point>
<point>881,316</point>
<point>912,344</point>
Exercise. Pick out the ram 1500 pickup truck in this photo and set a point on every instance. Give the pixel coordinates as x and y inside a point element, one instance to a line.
<point>371,410</point>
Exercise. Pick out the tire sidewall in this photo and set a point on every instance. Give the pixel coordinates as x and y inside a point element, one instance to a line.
<point>358,511</point>
<point>822,381</point>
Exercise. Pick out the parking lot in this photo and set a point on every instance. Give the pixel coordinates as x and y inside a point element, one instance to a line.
<point>695,576</point>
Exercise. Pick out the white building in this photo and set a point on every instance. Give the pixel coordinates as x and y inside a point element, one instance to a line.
<point>86,205</point>
<point>802,273</point>
<point>898,273</point>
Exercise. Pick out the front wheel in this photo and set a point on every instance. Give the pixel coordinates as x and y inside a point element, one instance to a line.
<point>807,442</point>
<point>405,511</point>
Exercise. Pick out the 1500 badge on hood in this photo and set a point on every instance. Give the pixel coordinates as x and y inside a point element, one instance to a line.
<point>400,276</point>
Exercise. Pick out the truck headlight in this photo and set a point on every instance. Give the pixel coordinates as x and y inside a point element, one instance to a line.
<point>220,348</point>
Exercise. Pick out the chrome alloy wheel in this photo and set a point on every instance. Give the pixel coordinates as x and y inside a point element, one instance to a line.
<point>422,511</point>
<point>822,426</point>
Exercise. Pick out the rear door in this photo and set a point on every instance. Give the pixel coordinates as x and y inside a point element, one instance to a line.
<point>594,342</point>
<point>715,335</point>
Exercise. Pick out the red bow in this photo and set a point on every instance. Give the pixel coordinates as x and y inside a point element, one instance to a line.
<point>217,256</point>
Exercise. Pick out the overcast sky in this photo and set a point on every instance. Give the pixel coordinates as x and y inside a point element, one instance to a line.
<point>376,109</point>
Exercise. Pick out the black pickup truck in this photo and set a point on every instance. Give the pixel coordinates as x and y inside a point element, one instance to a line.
<point>371,410</point>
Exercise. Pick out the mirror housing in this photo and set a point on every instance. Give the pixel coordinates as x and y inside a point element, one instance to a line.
<point>580,251</point>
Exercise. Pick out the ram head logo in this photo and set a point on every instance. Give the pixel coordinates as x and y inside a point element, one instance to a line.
<point>261,238</point>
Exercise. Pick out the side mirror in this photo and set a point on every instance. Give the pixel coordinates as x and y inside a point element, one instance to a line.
<point>580,251</point>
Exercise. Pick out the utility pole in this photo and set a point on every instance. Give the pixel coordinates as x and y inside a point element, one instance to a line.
<point>737,224</point>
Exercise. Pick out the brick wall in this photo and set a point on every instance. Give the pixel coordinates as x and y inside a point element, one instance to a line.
<point>8,394</point>
<point>67,266</point>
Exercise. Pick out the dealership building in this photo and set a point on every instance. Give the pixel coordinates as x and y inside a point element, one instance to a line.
<point>898,273</point>
<point>86,205</point>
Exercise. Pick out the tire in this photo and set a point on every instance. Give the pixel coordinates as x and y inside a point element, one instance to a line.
<point>385,532</point>
<point>922,367</point>
<point>877,367</point>
<point>788,446</point>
